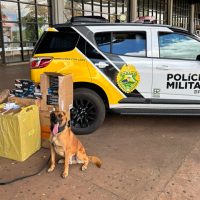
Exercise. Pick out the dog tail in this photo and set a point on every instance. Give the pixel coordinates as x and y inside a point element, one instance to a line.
<point>95,160</point>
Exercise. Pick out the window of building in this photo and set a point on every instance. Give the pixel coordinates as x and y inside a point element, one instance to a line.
<point>197,18</point>
<point>22,22</point>
<point>110,10</point>
<point>154,8</point>
<point>178,46</point>
<point>181,13</point>
<point>122,43</point>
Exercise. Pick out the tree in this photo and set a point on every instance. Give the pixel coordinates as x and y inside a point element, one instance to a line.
<point>29,31</point>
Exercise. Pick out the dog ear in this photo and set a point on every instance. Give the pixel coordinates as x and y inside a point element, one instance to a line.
<point>52,114</point>
<point>52,117</point>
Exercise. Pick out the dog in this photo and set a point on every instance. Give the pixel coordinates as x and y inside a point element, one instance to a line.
<point>66,144</point>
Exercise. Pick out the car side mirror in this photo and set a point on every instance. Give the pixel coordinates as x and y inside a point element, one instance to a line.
<point>198,57</point>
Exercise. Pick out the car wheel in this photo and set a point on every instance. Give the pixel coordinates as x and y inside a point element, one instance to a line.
<point>88,111</point>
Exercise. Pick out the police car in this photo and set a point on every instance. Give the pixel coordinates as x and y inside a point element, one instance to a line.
<point>129,68</point>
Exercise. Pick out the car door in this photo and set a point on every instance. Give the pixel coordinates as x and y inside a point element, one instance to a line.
<point>129,49</point>
<point>176,70</point>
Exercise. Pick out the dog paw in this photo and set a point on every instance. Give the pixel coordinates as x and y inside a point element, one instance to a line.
<point>51,169</point>
<point>64,174</point>
<point>83,168</point>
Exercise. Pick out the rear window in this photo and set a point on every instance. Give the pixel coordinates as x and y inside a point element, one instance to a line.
<point>52,42</point>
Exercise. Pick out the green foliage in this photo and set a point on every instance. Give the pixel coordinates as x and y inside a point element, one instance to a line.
<point>29,30</point>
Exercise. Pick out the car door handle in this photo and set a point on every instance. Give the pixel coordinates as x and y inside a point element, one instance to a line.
<point>163,67</point>
<point>101,65</point>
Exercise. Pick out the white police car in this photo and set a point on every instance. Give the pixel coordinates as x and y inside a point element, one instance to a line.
<point>126,67</point>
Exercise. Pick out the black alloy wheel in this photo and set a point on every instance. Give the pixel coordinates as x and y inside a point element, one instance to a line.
<point>88,111</point>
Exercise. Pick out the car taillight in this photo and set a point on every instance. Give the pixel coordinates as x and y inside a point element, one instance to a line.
<point>40,62</point>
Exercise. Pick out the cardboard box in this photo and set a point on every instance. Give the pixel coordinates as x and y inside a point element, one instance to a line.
<point>45,128</point>
<point>65,92</point>
<point>24,101</point>
<point>4,95</point>
<point>45,124</point>
<point>20,133</point>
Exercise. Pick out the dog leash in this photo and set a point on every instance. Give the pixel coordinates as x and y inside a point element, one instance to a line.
<point>27,176</point>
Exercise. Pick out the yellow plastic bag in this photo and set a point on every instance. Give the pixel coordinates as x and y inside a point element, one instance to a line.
<point>20,133</point>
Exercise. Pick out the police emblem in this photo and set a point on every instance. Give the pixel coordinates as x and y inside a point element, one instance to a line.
<point>128,78</point>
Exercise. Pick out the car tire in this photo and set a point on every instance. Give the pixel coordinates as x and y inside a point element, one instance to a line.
<point>88,111</point>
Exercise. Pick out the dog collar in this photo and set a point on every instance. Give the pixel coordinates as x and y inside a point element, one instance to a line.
<point>61,128</point>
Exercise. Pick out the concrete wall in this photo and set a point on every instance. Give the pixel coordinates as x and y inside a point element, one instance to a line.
<point>192,13</point>
<point>170,11</point>
<point>133,10</point>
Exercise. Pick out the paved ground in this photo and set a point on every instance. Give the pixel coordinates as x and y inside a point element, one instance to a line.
<point>8,74</point>
<point>144,158</point>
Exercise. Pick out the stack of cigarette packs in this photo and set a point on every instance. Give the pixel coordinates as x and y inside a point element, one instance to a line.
<point>52,97</point>
<point>25,88</point>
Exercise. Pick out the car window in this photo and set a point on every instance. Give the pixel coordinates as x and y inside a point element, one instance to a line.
<point>57,42</point>
<point>123,43</point>
<point>178,46</point>
<point>91,52</point>
<point>129,43</point>
<point>103,41</point>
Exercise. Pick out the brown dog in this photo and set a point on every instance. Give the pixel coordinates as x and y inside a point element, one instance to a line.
<point>65,143</point>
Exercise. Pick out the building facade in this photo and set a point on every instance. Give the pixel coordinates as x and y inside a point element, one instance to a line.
<point>23,21</point>
<point>21,24</point>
